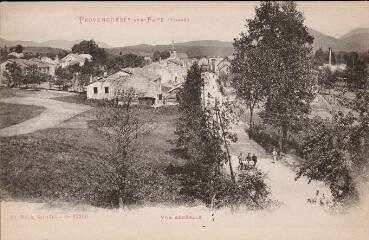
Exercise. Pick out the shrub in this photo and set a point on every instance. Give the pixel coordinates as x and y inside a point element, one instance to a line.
<point>250,191</point>
<point>257,133</point>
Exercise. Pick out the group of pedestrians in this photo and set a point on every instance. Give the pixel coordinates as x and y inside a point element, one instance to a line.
<point>244,161</point>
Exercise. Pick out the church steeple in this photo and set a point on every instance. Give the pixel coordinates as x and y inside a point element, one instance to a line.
<point>173,53</point>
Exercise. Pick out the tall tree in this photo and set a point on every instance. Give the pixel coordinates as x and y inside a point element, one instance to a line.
<point>202,132</point>
<point>119,123</point>
<point>91,47</point>
<point>189,106</point>
<point>13,74</point>
<point>18,49</point>
<point>157,55</point>
<point>319,57</point>
<point>200,141</point>
<point>278,35</point>
<point>126,60</point>
<point>32,75</point>
<point>249,68</point>
<point>356,73</point>
<point>4,54</point>
<point>337,152</point>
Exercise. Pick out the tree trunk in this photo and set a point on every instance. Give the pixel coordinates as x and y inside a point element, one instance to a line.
<point>280,140</point>
<point>251,116</point>
<point>228,154</point>
<point>284,137</point>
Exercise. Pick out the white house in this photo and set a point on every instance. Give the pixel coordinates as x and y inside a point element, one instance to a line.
<point>15,54</point>
<point>146,84</point>
<point>73,59</point>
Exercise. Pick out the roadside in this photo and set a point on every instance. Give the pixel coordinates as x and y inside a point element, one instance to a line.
<point>55,111</point>
<point>12,114</point>
<point>280,178</point>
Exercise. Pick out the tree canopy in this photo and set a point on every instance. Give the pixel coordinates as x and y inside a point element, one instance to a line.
<point>157,55</point>
<point>126,60</point>
<point>274,56</point>
<point>91,47</point>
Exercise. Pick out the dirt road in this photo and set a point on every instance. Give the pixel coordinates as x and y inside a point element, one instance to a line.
<point>56,112</point>
<point>285,189</point>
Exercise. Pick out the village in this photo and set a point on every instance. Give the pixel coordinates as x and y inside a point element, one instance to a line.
<point>272,125</point>
<point>156,83</point>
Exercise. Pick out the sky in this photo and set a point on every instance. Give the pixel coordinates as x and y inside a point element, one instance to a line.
<point>131,23</point>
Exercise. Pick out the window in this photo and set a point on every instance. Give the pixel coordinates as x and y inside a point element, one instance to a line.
<point>95,90</point>
<point>160,96</point>
<point>106,89</point>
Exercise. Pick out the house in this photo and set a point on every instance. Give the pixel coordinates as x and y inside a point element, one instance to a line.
<point>175,55</point>
<point>45,64</point>
<point>148,59</point>
<point>50,61</point>
<point>146,84</point>
<point>172,70</point>
<point>173,94</point>
<point>224,66</point>
<point>15,54</point>
<point>74,59</point>
<point>167,76</point>
<point>171,73</point>
<point>334,68</point>
<point>25,64</point>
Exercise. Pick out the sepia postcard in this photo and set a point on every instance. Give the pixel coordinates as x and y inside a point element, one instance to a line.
<point>184,120</point>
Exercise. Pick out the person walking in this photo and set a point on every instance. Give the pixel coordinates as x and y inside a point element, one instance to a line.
<point>274,154</point>
<point>254,159</point>
<point>240,161</point>
<point>248,158</point>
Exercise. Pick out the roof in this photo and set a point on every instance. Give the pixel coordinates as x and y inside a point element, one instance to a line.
<point>176,61</point>
<point>175,87</point>
<point>141,80</point>
<point>140,84</point>
<point>28,63</point>
<point>165,88</point>
<point>86,56</point>
<point>155,66</point>
<point>16,54</point>
<point>77,57</point>
<point>225,60</point>
<point>142,72</point>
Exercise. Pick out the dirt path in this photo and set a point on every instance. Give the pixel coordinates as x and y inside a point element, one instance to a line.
<point>56,112</point>
<point>281,179</point>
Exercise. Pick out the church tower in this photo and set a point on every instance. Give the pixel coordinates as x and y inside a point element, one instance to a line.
<point>173,52</point>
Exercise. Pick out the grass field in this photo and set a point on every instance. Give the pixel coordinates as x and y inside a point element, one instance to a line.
<point>9,92</point>
<point>16,113</point>
<point>70,164</point>
<point>78,98</point>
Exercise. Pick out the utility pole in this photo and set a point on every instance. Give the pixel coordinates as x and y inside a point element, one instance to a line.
<point>226,145</point>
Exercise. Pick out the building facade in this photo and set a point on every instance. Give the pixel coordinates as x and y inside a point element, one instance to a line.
<point>145,84</point>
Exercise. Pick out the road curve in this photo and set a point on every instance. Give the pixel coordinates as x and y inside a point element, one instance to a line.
<point>56,112</point>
